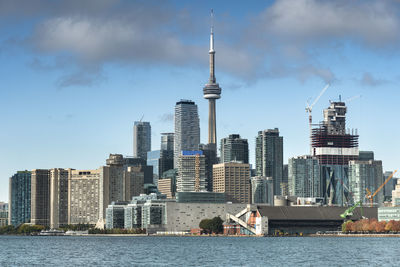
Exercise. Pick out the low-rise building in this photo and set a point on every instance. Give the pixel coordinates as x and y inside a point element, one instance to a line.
<point>389,213</point>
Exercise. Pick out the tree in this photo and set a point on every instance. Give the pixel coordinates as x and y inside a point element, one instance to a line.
<point>216,225</point>
<point>205,225</point>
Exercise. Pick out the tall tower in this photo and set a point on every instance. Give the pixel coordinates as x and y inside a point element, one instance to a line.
<point>212,91</point>
<point>141,139</point>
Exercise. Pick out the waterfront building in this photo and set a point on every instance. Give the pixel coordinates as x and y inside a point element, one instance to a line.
<point>269,157</point>
<point>396,195</point>
<point>19,198</point>
<point>234,148</point>
<point>191,172</point>
<point>115,215</point>
<point>86,196</point>
<point>40,197</point>
<point>153,159</point>
<point>334,147</point>
<point>187,128</point>
<point>58,197</point>
<point>233,179</point>
<point>365,175</point>
<point>304,177</point>
<point>3,214</point>
<point>141,139</point>
<point>262,190</point>
<point>389,213</point>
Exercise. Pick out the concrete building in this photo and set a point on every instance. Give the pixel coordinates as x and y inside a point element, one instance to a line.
<point>389,213</point>
<point>363,175</point>
<point>58,197</point>
<point>187,128</point>
<point>141,139</point>
<point>262,190</point>
<point>115,214</point>
<point>334,147</point>
<point>86,196</point>
<point>19,209</point>
<point>234,148</point>
<point>233,179</point>
<point>200,197</point>
<point>167,187</point>
<point>134,182</point>
<point>40,197</point>
<point>191,172</point>
<point>304,177</point>
<point>269,157</point>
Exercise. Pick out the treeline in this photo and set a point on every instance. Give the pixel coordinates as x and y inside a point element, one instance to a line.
<point>370,226</point>
<point>212,226</point>
<point>117,231</point>
<point>23,229</point>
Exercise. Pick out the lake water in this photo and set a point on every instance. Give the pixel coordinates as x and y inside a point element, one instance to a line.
<point>198,251</point>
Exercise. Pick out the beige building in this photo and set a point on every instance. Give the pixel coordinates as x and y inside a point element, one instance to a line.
<point>40,197</point>
<point>86,196</point>
<point>58,197</point>
<point>134,182</point>
<point>191,172</point>
<point>396,194</point>
<point>165,187</point>
<point>233,179</point>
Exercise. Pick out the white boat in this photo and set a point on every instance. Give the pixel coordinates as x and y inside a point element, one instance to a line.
<point>52,232</point>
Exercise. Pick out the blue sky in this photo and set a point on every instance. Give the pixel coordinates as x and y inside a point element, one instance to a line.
<point>75,75</point>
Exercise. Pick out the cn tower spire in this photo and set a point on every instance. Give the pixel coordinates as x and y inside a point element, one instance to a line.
<point>212,91</point>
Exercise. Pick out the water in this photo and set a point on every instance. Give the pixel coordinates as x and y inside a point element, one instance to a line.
<point>198,251</point>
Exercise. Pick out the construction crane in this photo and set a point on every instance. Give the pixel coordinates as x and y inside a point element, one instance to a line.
<point>309,111</point>
<point>370,195</point>
<point>348,100</point>
<point>349,212</point>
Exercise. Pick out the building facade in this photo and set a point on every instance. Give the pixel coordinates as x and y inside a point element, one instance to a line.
<point>134,182</point>
<point>187,128</point>
<point>153,159</point>
<point>19,209</point>
<point>58,197</point>
<point>191,172</point>
<point>269,157</point>
<point>365,175</point>
<point>304,177</point>
<point>262,190</point>
<point>234,148</point>
<point>141,139</point>
<point>40,197</point>
<point>233,179</point>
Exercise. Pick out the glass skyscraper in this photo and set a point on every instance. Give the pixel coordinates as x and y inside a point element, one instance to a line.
<point>141,139</point>
<point>20,198</point>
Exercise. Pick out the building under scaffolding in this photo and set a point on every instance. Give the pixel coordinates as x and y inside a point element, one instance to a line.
<point>334,147</point>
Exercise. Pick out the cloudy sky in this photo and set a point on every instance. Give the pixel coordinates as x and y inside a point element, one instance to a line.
<point>75,75</point>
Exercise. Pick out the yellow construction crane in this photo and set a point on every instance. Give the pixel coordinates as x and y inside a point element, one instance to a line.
<point>370,196</point>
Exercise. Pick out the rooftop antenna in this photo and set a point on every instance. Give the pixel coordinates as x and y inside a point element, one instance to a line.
<point>141,118</point>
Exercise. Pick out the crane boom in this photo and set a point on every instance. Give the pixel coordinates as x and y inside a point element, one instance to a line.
<point>319,96</point>
<point>371,196</point>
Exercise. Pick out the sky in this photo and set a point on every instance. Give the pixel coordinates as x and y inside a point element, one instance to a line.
<point>75,75</point>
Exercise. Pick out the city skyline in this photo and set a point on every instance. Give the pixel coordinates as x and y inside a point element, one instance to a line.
<point>66,108</point>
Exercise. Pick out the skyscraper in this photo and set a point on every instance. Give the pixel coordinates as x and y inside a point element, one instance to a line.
<point>58,197</point>
<point>334,148</point>
<point>166,161</point>
<point>187,129</point>
<point>19,210</point>
<point>141,139</point>
<point>262,190</point>
<point>191,172</point>
<point>212,91</point>
<point>304,177</point>
<point>40,197</point>
<point>167,141</point>
<point>269,157</point>
<point>234,148</point>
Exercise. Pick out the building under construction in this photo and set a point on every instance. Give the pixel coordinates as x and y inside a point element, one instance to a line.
<point>334,147</point>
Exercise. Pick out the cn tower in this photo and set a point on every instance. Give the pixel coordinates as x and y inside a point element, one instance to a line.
<point>212,91</point>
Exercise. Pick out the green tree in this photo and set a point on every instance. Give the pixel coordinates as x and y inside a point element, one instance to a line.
<point>205,225</point>
<point>217,225</point>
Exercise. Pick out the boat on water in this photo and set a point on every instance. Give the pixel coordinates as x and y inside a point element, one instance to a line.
<point>76,233</point>
<point>52,232</point>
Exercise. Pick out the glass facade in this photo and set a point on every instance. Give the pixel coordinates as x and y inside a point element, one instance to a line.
<point>20,198</point>
<point>304,177</point>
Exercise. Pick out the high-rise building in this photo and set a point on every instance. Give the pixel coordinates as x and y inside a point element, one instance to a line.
<point>212,92</point>
<point>269,157</point>
<point>167,183</point>
<point>86,196</point>
<point>262,190</point>
<point>389,186</point>
<point>365,155</point>
<point>304,177</point>
<point>40,197</point>
<point>187,129</point>
<point>139,162</point>
<point>191,172</point>
<point>233,179</point>
<point>166,161</point>
<point>210,154</point>
<point>19,209</point>
<point>134,182</point>
<point>334,148</point>
<point>58,197</point>
<point>141,139</point>
<point>285,180</point>
<point>396,195</point>
<point>234,148</point>
<point>153,159</point>
<point>365,175</point>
